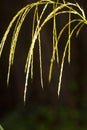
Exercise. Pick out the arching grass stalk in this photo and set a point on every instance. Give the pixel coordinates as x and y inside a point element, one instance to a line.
<point>69,30</point>
<point>14,39</point>
<point>30,53</point>
<point>57,8</point>
<point>64,54</point>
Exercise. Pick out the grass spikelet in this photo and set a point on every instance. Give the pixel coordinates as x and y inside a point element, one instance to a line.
<point>69,29</point>
<point>79,29</point>
<point>7,31</point>
<point>14,40</point>
<point>82,11</point>
<point>40,55</point>
<point>33,29</point>
<point>30,53</point>
<point>64,54</point>
<point>54,42</point>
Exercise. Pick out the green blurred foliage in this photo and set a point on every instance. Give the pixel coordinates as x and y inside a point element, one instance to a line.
<point>46,118</point>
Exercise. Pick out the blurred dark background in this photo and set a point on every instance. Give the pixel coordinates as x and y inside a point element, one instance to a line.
<point>44,109</point>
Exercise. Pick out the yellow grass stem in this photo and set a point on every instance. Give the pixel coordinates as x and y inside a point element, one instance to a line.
<point>14,39</point>
<point>69,30</point>
<point>63,57</point>
<point>40,54</point>
<point>28,61</point>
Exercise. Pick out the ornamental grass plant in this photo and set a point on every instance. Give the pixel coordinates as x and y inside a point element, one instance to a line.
<point>76,20</point>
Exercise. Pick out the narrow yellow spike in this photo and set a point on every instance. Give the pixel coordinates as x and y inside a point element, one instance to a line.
<point>30,53</point>
<point>63,57</point>
<point>14,39</point>
<point>69,30</point>
<point>40,55</point>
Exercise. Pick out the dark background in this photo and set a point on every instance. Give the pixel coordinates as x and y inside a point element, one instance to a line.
<point>43,107</point>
